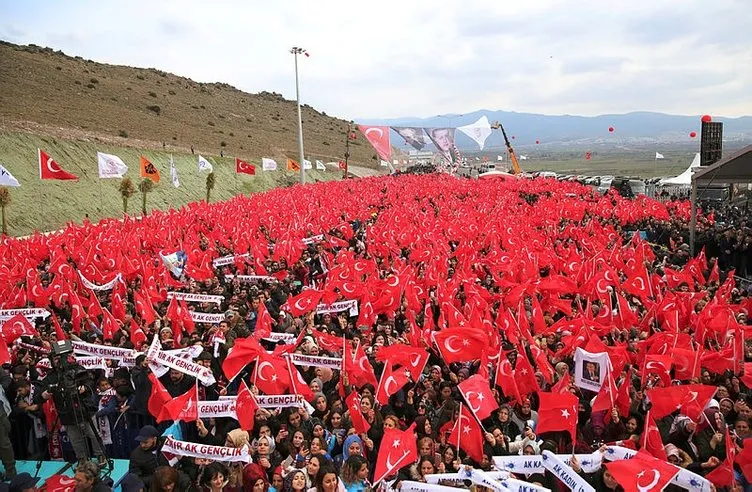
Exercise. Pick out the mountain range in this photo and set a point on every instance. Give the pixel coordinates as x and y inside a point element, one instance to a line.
<point>630,129</point>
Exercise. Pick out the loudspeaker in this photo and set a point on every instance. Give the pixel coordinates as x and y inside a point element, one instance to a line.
<point>711,143</point>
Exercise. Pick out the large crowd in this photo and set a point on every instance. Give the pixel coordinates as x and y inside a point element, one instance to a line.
<point>374,310</point>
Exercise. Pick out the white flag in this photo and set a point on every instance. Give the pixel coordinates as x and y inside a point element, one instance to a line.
<point>7,179</point>
<point>174,174</point>
<point>110,166</point>
<point>384,164</point>
<point>320,165</point>
<point>204,165</point>
<point>307,164</point>
<point>478,131</point>
<point>523,157</point>
<point>658,156</point>
<point>268,164</point>
<point>499,157</point>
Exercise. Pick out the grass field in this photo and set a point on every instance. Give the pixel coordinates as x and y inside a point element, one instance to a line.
<point>47,205</point>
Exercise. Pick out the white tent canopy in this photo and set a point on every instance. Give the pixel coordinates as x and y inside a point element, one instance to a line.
<point>684,178</point>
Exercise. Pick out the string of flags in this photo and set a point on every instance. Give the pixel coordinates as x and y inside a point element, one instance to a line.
<point>111,166</point>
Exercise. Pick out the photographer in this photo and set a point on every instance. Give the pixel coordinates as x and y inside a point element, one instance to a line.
<point>71,388</point>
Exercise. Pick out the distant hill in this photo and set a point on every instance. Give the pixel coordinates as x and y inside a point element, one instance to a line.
<point>631,129</point>
<point>49,93</point>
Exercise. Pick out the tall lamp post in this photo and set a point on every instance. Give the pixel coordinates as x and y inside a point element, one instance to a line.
<point>299,51</point>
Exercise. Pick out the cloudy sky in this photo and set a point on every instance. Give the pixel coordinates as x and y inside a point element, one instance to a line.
<point>425,57</point>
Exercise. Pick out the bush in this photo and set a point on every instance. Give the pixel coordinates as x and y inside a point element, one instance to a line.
<point>194,107</point>
<point>171,92</point>
<point>232,134</point>
<point>140,77</point>
<point>58,67</point>
<point>93,80</point>
<point>91,86</point>
<point>123,134</point>
<point>211,123</point>
<point>152,94</point>
<point>156,109</point>
<point>223,144</point>
<point>78,82</point>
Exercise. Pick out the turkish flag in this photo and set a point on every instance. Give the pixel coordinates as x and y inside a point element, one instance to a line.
<point>358,369</point>
<point>563,384</point>
<point>59,483</point>
<point>16,327</point>
<point>477,393</point>
<point>243,352</point>
<point>468,435</point>
<point>183,407</point>
<point>609,397</point>
<point>304,302</point>
<point>138,337</point>
<point>245,408</point>
<point>642,473</point>
<point>263,322</point>
<point>398,449</point>
<point>723,475</point>
<point>342,165</point>
<point>297,384</point>
<point>690,399</point>
<point>504,379</point>
<point>359,422</point>
<point>109,325</point>
<point>144,308</point>
<point>49,169</point>
<point>242,167</point>
<point>271,375</point>
<point>651,439</point>
<point>558,412</point>
<point>392,380</point>
<point>378,136</point>
<point>461,344</point>
<point>413,359</point>
<point>158,397</point>
<point>744,459</point>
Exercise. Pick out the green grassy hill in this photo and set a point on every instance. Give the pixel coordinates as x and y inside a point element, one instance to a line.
<point>48,205</point>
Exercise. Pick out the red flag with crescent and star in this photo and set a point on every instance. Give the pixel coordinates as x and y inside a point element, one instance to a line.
<point>243,167</point>
<point>378,136</point>
<point>642,473</point>
<point>398,448</point>
<point>477,393</point>
<point>49,169</point>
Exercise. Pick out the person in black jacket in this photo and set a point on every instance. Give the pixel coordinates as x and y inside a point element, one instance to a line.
<point>176,383</point>
<point>144,457</point>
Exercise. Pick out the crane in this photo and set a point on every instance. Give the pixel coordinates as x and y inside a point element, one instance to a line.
<point>512,156</point>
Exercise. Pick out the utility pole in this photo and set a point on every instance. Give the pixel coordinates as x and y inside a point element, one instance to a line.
<point>347,146</point>
<point>299,51</point>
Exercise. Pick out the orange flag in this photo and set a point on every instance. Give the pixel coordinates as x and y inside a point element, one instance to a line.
<point>148,170</point>
<point>293,165</point>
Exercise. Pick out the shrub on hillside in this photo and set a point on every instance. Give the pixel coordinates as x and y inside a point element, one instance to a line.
<point>152,94</point>
<point>223,144</point>
<point>156,109</point>
<point>123,134</point>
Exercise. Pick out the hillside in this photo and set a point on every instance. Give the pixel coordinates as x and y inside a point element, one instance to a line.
<point>49,93</point>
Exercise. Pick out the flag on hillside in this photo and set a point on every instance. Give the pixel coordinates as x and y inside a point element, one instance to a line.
<point>588,156</point>
<point>307,164</point>
<point>342,165</point>
<point>7,179</point>
<point>293,165</point>
<point>658,156</point>
<point>204,165</point>
<point>49,169</point>
<point>320,165</point>
<point>110,166</point>
<point>242,167</point>
<point>174,174</point>
<point>148,170</point>
<point>499,157</point>
<point>268,164</point>
<point>523,157</point>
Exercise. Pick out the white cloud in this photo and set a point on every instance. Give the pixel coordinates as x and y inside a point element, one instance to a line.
<point>422,57</point>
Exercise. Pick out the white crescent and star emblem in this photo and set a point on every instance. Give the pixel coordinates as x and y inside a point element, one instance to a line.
<point>261,371</point>
<point>653,482</point>
<point>50,162</point>
<point>448,345</point>
<point>375,129</point>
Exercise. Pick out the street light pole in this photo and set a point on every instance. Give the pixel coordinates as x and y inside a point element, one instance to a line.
<point>299,51</point>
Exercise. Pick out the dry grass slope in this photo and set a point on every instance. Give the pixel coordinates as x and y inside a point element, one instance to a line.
<point>49,93</point>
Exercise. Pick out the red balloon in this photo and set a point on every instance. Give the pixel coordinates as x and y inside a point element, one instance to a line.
<point>692,134</point>
<point>707,118</point>
<point>611,129</point>
<point>537,142</point>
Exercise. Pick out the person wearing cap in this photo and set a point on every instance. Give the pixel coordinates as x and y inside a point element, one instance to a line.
<point>131,483</point>
<point>23,482</point>
<point>144,459</point>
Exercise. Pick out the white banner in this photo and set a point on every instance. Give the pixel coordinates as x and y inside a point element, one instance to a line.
<point>30,313</point>
<point>590,369</point>
<point>288,338</point>
<point>228,260</point>
<point>351,305</point>
<point>92,286</point>
<point>215,409</point>
<point>207,317</point>
<point>528,464</point>
<point>251,278</point>
<point>184,353</point>
<point>563,472</point>
<point>29,346</point>
<point>86,362</point>
<point>320,165</point>
<point>7,179</point>
<point>334,363</point>
<point>307,164</point>
<point>685,479</point>
<point>204,165</point>
<point>280,401</point>
<point>268,164</point>
<point>410,486</point>
<point>214,453</point>
<point>478,131</point>
<point>103,351</point>
<point>110,166</point>
<point>155,354</point>
<point>190,297</point>
<point>313,239</point>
